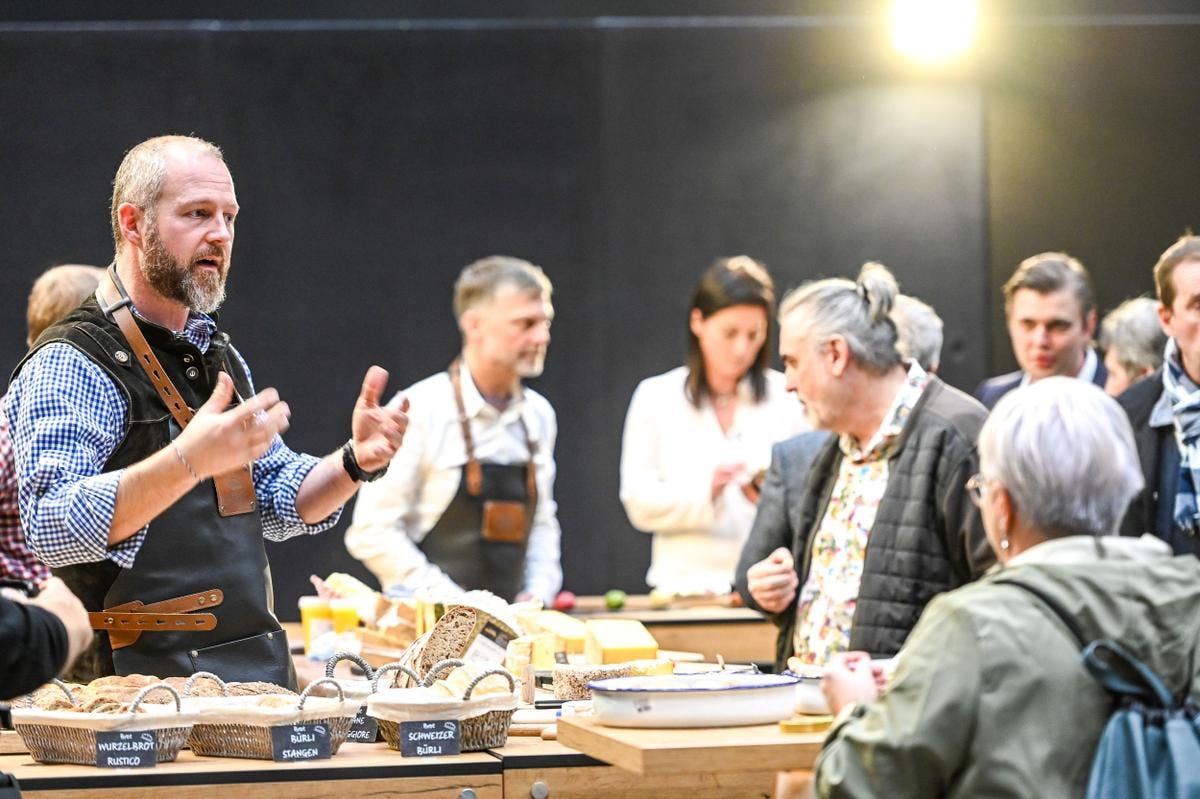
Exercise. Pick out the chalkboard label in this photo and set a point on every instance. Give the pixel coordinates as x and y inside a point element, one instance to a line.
<point>429,738</point>
<point>363,729</point>
<point>293,742</point>
<point>126,749</point>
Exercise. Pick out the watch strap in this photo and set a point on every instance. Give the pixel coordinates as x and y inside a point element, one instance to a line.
<point>356,472</point>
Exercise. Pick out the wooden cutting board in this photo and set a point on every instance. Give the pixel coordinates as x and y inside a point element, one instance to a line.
<point>709,750</point>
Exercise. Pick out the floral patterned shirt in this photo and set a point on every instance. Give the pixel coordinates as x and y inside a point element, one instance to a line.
<point>839,546</point>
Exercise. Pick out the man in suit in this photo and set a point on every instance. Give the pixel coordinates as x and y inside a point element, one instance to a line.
<point>1051,314</point>
<point>1164,410</point>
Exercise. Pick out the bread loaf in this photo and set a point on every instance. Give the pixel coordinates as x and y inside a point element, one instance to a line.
<point>448,639</point>
<point>257,688</point>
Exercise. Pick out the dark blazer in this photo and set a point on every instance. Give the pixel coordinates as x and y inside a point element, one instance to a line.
<point>1153,509</point>
<point>991,390</point>
<point>927,537</point>
<point>778,522</point>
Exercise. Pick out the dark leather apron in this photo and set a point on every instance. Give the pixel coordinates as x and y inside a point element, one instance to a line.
<point>456,543</point>
<point>191,547</point>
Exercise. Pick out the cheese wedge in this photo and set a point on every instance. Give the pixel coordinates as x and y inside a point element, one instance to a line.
<point>569,632</point>
<point>618,641</point>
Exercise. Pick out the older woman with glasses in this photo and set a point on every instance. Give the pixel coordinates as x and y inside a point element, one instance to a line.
<point>990,696</point>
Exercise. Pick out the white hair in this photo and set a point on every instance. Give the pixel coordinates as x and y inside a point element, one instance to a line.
<point>1064,451</point>
<point>858,311</point>
<point>918,332</point>
<point>1132,332</point>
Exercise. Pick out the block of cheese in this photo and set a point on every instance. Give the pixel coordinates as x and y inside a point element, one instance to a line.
<point>518,655</point>
<point>544,647</point>
<point>618,641</point>
<point>536,650</point>
<point>569,632</point>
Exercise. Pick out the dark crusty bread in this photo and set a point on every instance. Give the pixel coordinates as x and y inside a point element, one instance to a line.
<point>448,639</point>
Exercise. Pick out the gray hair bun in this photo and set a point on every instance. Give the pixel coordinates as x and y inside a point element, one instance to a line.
<point>878,289</point>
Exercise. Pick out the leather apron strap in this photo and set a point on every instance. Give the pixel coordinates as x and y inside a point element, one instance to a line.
<point>235,489</point>
<point>474,471</point>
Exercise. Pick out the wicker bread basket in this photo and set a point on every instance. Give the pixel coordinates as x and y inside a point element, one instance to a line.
<point>351,688</point>
<point>484,722</point>
<point>233,727</point>
<point>64,736</point>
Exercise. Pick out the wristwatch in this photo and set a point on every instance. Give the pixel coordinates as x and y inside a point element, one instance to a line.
<point>350,463</point>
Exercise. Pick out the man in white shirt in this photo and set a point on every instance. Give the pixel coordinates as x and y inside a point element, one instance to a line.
<point>1051,312</point>
<point>468,502</point>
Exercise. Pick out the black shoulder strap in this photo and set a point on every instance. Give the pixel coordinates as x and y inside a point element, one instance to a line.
<point>1055,606</point>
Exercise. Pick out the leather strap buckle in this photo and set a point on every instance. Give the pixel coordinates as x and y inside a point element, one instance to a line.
<point>130,619</point>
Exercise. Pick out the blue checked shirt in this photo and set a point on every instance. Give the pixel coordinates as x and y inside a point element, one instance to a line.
<point>68,417</point>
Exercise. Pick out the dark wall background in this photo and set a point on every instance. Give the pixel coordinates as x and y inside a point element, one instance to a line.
<point>1094,148</point>
<point>375,157</point>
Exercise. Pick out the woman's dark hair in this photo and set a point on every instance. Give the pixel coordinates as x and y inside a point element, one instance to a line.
<point>739,280</point>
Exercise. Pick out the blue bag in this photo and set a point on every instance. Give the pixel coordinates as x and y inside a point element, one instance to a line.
<point>1150,746</point>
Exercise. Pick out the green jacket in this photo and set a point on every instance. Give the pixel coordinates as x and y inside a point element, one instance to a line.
<point>990,697</point>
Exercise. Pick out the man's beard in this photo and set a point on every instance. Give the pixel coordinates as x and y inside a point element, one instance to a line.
<point>198,288</point>
<point>530,366</point>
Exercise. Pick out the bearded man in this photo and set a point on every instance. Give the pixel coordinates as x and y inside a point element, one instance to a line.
<point>149,470</point>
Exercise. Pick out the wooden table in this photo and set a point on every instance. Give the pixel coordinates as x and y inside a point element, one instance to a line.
<point>357,770</point>
<point>11,743</point>
<point>723,750</point>
<point>564,772</point>
<point>673,764</point>
<point>740,635</point>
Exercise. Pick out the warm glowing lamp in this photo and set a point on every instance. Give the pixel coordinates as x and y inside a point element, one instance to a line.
<point>933,30</point>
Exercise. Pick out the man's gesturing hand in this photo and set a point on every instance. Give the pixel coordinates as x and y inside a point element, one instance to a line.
<point>219,440</point>
<point>773,581</point>
<point>377,430</point>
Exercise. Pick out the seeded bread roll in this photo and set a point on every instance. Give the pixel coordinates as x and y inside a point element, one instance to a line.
<point>570,682</point>
<point>448,639</point>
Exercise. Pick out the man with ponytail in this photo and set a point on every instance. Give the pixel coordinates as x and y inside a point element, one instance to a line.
<point>884,522</point>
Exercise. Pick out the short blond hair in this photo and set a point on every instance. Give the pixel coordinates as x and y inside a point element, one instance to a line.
<point>479,282</point>
<point>58,291</point>
<point>142,173</point>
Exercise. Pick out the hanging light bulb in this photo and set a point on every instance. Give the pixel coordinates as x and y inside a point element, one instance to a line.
<point>933,30</point>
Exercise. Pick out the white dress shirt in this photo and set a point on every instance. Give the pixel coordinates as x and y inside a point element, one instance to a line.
<point>669,453</point>
<point>393,514</point>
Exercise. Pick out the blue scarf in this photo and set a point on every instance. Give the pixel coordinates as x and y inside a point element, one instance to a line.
<point>1185,411</point>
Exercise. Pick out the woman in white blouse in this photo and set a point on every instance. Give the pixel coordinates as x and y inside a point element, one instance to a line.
<point>697,437</point>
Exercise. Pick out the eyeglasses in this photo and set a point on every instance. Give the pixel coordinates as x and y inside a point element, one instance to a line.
<point>975,488</point>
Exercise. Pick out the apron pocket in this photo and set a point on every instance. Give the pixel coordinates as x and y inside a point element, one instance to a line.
<point>503,522</point>
<point>263,657</point>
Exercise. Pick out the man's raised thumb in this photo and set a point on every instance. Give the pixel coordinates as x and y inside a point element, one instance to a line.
<point>222,394</point>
